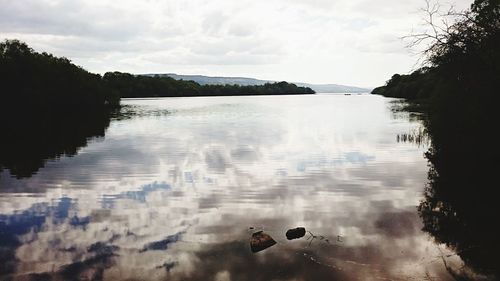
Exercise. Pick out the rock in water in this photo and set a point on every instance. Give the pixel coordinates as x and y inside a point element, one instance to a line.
<point>295,233</point>
<point>261,241</point>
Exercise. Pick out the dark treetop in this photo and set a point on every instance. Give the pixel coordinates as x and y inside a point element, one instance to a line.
<point>463,62</point>
<point>42,81</point>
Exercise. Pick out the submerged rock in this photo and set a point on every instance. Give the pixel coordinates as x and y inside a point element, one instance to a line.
<point>261,241</point>
<point>295,233</point>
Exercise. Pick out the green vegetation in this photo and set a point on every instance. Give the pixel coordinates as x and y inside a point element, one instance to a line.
<point>463,61</point>
<point>138,86</point>
<point>42,82</point>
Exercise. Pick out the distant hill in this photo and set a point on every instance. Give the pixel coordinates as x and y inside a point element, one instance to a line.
<point>333,88</point>
<point>242,81</point>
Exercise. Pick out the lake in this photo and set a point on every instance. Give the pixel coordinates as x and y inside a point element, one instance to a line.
<point>176,188</point>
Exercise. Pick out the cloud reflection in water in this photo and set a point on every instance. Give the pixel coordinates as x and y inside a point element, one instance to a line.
<point>172,196</point>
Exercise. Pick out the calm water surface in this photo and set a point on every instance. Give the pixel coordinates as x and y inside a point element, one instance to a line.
<point>175,190</point>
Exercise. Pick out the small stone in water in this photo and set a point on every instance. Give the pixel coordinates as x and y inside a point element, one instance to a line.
<point>295,233</point>
<point>261,241</point>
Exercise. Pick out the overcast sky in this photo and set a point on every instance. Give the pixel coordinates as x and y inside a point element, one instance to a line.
<point>353,42</point>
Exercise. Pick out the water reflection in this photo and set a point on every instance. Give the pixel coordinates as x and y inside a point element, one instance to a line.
<point>460,208</point>
<point>173,196</point>
<point>29,141</point>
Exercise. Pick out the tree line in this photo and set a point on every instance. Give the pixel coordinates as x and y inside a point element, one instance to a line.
<point>136,86</point>
<point>42,81</point>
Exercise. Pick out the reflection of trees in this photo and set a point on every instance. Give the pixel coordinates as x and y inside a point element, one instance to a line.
<point>27,142</point>
<point>460,207</point>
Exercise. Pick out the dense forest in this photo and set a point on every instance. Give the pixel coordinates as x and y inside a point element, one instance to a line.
<point>458,90</point>
<point>41,81</point>
<point>135,86</point>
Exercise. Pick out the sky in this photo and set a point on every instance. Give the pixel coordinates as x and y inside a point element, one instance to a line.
<point>350,42</point>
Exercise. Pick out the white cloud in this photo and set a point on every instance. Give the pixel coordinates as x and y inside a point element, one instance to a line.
<point>318,41</point>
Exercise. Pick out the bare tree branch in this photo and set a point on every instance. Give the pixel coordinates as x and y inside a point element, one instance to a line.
<point>438,27</point>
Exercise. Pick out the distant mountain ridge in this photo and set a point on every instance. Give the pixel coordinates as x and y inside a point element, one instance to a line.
<point>243,81</point>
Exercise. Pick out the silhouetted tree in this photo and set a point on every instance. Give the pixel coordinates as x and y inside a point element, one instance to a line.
<point>463,58</point>
<point>40,81</point>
